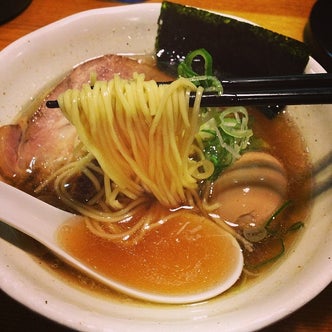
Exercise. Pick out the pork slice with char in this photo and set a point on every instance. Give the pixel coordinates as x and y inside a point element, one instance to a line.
<point>37,145</point>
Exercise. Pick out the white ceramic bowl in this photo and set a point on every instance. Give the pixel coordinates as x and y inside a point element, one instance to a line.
<point>26,67</point>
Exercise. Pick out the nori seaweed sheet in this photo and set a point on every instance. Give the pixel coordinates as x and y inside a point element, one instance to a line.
<point>238,48</point>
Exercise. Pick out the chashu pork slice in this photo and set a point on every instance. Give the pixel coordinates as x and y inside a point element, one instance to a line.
<point>35,146</point>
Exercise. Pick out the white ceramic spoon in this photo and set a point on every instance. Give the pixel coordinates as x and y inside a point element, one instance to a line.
<point>41,221</point>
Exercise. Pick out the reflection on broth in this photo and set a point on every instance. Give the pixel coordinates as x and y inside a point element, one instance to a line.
<point>186,255</point>
<point>149,245</point>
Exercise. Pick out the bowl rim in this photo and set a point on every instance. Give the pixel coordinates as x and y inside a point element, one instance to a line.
<point>35,297</point>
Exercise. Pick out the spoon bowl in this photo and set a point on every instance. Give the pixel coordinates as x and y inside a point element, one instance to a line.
<point>42,221</point>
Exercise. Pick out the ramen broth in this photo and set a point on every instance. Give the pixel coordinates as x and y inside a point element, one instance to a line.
<point>187,254</point>
<point>106,255</point>
<point>147,262</point>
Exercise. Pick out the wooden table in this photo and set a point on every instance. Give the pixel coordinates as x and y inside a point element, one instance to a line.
<point>283,16</point>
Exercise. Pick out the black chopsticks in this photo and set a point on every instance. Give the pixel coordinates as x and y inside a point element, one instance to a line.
<point>274,82</point>
<point>303,89</point>
<point>278,90</point>
<point>268,97</point>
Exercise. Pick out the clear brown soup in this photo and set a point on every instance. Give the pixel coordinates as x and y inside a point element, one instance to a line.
<point>284,142</point>
<point>186,255</point>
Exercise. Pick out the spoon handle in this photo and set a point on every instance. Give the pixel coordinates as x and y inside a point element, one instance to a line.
<point>41,221</point>
<point>30,215</point>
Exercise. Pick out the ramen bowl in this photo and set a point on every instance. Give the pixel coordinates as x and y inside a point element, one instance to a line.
<point>31,65</point>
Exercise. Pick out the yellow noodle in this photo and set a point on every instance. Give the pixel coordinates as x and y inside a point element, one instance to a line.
<point>142,137</point>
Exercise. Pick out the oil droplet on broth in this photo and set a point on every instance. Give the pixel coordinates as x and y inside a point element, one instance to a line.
<point>187,254</point>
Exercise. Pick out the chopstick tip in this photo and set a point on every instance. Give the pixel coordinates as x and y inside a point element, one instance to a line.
<point>52,104</point>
